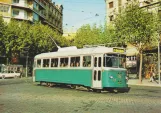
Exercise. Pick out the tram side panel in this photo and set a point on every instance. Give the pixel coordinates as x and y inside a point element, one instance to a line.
<point>114,79</point>
<point>66,76</point>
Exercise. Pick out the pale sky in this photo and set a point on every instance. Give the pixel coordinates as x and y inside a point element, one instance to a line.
<point>79,12</point>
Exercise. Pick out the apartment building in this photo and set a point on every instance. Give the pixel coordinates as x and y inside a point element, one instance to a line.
<point>114,7</point>
<point>45,11</point>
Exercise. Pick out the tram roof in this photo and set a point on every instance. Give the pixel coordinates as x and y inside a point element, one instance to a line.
<point>76,52</point>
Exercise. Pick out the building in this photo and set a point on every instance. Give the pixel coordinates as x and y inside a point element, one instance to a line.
<point>114,7</point>
<point>45,11</point>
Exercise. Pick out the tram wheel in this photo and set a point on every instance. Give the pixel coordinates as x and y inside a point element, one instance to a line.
<point>41,83</point>
<point>73,86</point>
<point>3,76</point>
<point>115,91</point>
<point>88,89</point>
<point>97,90</point>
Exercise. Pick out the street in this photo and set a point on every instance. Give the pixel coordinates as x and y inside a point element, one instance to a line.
<point>21,95</point>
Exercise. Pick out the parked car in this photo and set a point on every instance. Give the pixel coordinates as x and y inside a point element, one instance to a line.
<point>10,74</point>
<point>10,71</point>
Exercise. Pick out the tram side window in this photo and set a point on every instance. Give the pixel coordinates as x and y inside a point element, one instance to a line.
<point>99,75</point>
<point>39,63</point>
<point>54,62</point>
<point>95,62</point>
<point>86,61</point>
<point>63,62</point>
<point>75,62</point>
<point>99,62</point>
<point>45,62</point>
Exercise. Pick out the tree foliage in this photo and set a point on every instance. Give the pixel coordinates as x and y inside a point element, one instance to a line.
<point>93,35</point>
<point>136,25</point>
<point>17,35</point>
<point>2,29</point>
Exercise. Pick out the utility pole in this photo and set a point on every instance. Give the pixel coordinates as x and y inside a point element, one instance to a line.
<point>26,51</point>
<point>159,57</point>
<point>26,63</point>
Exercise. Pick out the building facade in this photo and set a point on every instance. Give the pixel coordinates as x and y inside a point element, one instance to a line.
<point>114,7</point>
<point>44,11</point>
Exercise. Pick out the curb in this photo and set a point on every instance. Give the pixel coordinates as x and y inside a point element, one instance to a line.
<point>148,85</point>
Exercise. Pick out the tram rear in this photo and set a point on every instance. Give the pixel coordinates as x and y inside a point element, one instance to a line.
<point>114,75</point>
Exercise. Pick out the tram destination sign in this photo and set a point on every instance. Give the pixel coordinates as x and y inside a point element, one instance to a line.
<point>118,50</point>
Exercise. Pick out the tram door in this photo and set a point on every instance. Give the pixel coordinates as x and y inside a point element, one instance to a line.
<point>97,72</point>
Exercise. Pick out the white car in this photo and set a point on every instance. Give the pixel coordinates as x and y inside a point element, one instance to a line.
<point>10,74</point>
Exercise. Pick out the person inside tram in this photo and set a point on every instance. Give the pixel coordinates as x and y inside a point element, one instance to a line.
<point>77,64</point>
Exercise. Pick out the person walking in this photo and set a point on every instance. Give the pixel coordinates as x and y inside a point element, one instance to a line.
<point>152,76</point>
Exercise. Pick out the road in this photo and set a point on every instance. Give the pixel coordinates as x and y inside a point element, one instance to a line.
<point>24,96</point>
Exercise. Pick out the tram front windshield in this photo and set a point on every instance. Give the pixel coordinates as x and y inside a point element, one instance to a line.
<point>114,60</point>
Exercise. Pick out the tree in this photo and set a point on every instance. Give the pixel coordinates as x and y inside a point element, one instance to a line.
<point>2,29</point>
<point>88,35</point>
<point>137,26</point>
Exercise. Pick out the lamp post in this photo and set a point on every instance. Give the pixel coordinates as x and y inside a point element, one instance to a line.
<point>159,56</point>
<point>26,51</point>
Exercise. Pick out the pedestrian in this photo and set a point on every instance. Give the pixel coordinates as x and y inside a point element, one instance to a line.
<point>152,76</point>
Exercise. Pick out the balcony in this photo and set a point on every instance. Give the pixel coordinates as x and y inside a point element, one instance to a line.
<point>41,4</point>
<point>5,14</point>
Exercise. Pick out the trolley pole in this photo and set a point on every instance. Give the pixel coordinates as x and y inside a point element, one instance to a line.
<point>159,56</point>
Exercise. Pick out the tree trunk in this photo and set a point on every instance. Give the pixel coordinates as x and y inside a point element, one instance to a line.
<point>140,69</point>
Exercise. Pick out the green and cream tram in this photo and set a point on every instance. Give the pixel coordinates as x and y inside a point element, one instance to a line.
<point>96,68</point>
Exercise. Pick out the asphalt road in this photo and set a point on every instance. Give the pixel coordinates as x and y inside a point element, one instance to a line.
<point>24,96</point>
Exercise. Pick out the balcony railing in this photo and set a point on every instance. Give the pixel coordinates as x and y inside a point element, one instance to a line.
<point>41,4</point>
<point>5,14</point>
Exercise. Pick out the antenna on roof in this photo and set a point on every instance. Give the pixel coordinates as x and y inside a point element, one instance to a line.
<point>54,41</point>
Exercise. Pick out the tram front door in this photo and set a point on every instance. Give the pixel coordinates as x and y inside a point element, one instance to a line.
<point>97,72</point>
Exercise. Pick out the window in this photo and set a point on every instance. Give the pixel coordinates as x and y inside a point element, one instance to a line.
<point>15,12</point>
<point>75,62</point>
<point>4,8</point>
<point>111,5</point>
<point>86,61</point>
<point>99,62</point>
<point>95,75</point>
<point>95,62</point>
<point>99,75</point>
<point>111,18</point>
<point>111,60</point>
<point>63,62</point>
<point>45,62</point>
<point>54,62</point>
<point>15,1</point>
<point>39,63</point>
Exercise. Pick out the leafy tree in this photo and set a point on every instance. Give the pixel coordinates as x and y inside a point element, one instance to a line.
<point>88,35</point>
<point>2,29</point>
<point>10,37</point>
<point>137,26</point>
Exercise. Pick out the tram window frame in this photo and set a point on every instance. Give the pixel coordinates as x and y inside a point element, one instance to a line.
<point>95,62</point>
<point>99,61</point>
<point>64,62</point>
<point>87,61</point>
<point>54,61</point>
<point>38,63</point>
<point>95,75</point>
<point>75,61</point>
<point>99,75</point>
<point>46,62</point>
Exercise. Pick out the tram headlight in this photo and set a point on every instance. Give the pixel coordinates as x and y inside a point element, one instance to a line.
<point>111,77</point>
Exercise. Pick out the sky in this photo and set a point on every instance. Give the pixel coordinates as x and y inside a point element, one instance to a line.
<point>80,12</point>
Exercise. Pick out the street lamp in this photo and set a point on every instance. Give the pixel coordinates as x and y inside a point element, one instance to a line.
<point>26,51</point>
<point>159,56</point>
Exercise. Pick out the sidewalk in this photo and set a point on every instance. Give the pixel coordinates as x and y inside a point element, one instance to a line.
<point>145,82</point>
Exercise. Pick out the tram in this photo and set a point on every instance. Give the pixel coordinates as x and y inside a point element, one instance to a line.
<point>96,68</point>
